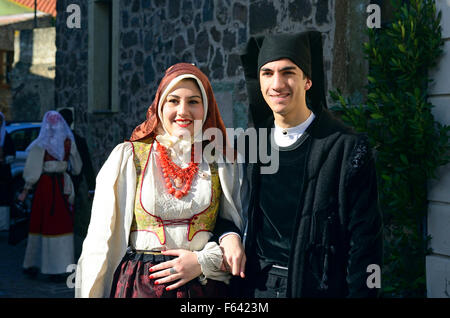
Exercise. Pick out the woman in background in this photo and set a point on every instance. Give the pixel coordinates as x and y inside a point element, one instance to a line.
<point>50,245</point>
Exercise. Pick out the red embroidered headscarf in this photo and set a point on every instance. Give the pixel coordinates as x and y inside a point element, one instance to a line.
<point>213,118</point>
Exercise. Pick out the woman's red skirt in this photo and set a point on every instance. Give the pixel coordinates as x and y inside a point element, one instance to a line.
<point>50,212</point>
<point>131,280</point>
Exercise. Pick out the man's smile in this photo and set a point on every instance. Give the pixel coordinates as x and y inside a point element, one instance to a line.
<point>277,98</point>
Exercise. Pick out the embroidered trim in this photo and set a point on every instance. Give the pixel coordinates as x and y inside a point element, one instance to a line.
<point>153,223</point>
<point>358,156</point>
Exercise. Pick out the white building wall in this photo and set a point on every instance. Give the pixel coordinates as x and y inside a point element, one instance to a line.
<point>438,263</point>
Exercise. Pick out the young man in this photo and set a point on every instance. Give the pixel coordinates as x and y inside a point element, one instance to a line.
<point>314,226</point>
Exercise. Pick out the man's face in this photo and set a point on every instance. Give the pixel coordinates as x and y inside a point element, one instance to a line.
<point>283,86</point>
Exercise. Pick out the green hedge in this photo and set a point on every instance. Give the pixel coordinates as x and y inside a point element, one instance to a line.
<point>409,144</point>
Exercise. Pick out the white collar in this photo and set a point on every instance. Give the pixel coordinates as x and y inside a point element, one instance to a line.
<point>285,137</point>
<point>179,149</point>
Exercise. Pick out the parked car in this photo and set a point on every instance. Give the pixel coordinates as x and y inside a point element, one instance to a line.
<point>22,134</point>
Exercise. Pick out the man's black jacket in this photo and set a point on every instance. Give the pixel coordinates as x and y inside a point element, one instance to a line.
<point>338,229</point>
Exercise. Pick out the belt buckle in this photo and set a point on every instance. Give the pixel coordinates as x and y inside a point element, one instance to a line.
<point>147,252</point>
<point>280,267</point>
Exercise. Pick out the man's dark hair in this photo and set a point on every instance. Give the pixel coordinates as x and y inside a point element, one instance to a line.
<point>66,113</point>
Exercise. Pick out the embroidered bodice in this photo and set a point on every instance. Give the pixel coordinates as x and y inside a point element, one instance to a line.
<point>162,221</point>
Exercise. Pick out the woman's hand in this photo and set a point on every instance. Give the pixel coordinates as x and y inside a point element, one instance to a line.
<point>184,268</point>
<point>22,196</point>
<point>234,258</point>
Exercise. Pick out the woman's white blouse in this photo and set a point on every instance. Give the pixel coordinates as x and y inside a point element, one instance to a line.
<point>35,166</point>
<point>157,201</point>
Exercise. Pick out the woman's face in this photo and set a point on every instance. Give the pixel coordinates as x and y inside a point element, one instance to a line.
<point>183,105</point>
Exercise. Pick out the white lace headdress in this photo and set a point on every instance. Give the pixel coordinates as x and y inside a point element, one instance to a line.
<point>54,131</point>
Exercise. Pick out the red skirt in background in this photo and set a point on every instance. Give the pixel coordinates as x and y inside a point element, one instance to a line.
<point>50,211</point>
<point>131,280</point>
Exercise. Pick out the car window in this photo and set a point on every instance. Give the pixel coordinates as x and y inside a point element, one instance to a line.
<point>23,137</point>
<point>34,133</point>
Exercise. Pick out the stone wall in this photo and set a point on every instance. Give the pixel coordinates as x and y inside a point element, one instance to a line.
<point>33,73</point>
<point>211,34</point>
<point>7,38</point>
<point>156,34</point>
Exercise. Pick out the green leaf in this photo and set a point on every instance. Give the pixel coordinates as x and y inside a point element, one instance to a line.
<point>404,159</point>
<point>376,116</point>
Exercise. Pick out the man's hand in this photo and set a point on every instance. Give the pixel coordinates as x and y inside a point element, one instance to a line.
<point>233,255</point>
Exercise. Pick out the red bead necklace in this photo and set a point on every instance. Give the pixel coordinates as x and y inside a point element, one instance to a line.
<point>179,176</point>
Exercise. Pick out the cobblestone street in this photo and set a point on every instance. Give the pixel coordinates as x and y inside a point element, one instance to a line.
<point>15,284</point>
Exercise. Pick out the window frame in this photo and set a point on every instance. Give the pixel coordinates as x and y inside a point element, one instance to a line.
<point>103,77</point>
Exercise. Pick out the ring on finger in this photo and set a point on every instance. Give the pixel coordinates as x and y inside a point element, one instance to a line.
<point>172,271</point>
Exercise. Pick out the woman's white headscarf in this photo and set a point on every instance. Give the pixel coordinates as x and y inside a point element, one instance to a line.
<point>180,146</point>
<point>54,131</point>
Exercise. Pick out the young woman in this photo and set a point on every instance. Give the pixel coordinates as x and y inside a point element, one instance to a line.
<point>50,239</point>
<point>155,206</point>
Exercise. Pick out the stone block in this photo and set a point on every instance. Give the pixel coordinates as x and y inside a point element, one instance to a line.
<point>208,10</point>
<point>224,98</point>
<point>240,12</point>
<point>438,227</point>
<point>202,47</point>
<point>262,9</point>
<point>299,10</point>
<point>438,276</point>
<point>322,12</point>
<point>441,109</point>
<point>439,189</point>
<point>441,72</point>
<point>129,39</point>
<point>444,7</point>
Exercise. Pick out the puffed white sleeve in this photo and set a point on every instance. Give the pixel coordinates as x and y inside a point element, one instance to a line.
<point>107,236</point>
<point>33,166</point>
<point>232,203</point>
<point>210,260</point>
<point>234,190</point>
<point>75,159</point>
